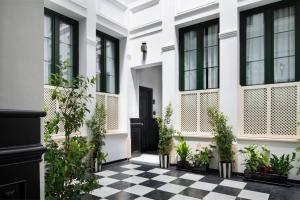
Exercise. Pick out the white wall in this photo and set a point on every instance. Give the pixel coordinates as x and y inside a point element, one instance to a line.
<point>152,78</point>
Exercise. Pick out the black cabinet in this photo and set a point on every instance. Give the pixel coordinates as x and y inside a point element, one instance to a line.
<point>20,154</point>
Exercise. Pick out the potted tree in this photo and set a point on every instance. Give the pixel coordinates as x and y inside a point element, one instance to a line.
<point>166,133</point>
<point>97,126</point>
<point>223,137</point>
<point>201,160</point>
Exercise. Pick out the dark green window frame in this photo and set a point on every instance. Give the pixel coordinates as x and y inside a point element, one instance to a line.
<point>56,18</point>
<point>269,40</point>
<point>199,29</point>
<point>103,65</point>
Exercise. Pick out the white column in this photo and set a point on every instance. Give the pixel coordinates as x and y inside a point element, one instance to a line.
<point>87,50</point>
<point>169,67</point>
<point>229,61</point>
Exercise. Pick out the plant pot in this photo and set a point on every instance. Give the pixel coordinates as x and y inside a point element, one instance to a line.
<point>98,166</point>
<point>201,169</point>
<point>183,165</point>
<point>164,161</point>
<point>270,178</point>
<point>225,169</point>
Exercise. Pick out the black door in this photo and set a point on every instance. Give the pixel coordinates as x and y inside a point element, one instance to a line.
<point>149,137</point>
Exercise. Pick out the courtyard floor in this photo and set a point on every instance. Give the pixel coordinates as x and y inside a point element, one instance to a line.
<point>128,181</point>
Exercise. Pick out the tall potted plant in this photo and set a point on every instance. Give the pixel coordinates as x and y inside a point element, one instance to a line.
<point>166,133</point>
<point>67,174</point>
<point>97,126</point>
<point>223,137</point>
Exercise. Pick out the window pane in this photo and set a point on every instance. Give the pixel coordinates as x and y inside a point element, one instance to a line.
<point>190,40</point>
<point>98,63</point>
<point>110,49</point>
<point>284,44</point>
<point>255,73</point>
<point>110,84</point>
<point>210,57</point>
<point>47,48</point>
<point>255,49</point>
<point>110,67</point>
<point>193,80</point>
<point>65,48</point>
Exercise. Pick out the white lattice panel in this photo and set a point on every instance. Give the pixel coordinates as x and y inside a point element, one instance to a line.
<point>284,111</point>
<point>111,104</point>
<point>207,100</point>
<point>189,112</point>
<point>112,113</point>
<point>270,111</point>
<point>49,104</point>
<point>255,111</point>
<point>194,106</point>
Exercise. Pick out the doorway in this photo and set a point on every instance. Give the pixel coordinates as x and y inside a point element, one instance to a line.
<point>149,136</point>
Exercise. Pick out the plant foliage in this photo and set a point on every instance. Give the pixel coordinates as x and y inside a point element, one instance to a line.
<point>97,126</point>
<point>283,164</point>
<point>202,157</point>
<point>166,131</point>
<point>223,136</point>
<point>183,150</point>
<point>254,158</point>
<point>67,174</point>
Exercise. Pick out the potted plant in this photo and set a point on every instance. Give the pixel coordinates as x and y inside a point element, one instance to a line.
<point>201,160</point>
<point>223,137</point>
<point>97,126</point>
<point>183,151</point>
<point>166,133</point>
<point>261,168</point>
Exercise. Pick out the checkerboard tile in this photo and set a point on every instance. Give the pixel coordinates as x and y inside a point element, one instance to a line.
<point>145,182</point>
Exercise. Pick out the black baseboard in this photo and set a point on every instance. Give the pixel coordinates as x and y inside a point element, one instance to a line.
<point>115,161</point>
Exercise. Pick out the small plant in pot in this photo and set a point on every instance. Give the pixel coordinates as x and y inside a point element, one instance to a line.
<point>166,133</point>
<point>97,126</point>
<point>201,159</point>
<point>183,151</point>
<point>223,137</point>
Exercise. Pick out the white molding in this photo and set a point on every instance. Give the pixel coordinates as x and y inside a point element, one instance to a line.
<point>91,42</point>
<point>148,65</point>
<point>111,24</point>
<point>198,9</point>
<point>81,3</point>
<point>166,48</point>
<point>228,34</point>
<point>147,32</point>
<point>119,4</point>
<point>153,24</point>
<point>144,5</point>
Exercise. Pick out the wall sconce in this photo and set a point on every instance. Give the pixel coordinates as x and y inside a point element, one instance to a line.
<point>144,47</point>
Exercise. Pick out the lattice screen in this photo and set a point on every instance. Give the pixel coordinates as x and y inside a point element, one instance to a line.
<point>111,104</point>
<point>207,100</point>
<point>189,112</point>
<point>255,111</point>
<point>194,107</point>
<point>284,111</point>
<point>270,111</point>
<point>50,106</point>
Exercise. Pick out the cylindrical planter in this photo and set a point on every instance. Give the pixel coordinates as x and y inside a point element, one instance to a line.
<point>97,167</point>
<point>225,169</point>
<point>164,161</point>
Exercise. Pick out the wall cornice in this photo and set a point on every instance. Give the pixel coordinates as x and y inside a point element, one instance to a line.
<point>228,34</point>
<point>143,5</point>
<point>169,47</point>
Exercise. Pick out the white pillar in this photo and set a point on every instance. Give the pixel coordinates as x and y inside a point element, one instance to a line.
<point>229,61</point>
<point>87,50</point>
<point>169,67</point>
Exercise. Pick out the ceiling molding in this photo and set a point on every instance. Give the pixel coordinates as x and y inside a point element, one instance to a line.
<point>119,4</point>
<point>196,10</point>
<point>144,5</point>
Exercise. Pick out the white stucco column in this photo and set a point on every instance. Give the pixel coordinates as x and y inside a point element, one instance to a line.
<point>229,61</point>
<point>87,50</point>
<point>169,67</point>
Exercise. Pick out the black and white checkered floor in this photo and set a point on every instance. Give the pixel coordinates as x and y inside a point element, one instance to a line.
<point>126,181</point>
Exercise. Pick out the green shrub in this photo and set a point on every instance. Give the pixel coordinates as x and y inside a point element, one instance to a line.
<point>222,133</point>
<point>67,174</point>
<point>166,132</point>
<point>202,157</point>
<point>97,126</point>
<point>283,164</point>
<point>254,158</point>
<point>183,150</point>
